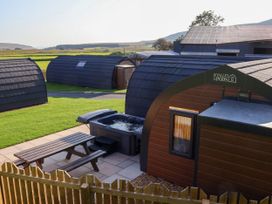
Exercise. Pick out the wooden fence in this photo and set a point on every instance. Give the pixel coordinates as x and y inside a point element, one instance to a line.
<point>32,186</point>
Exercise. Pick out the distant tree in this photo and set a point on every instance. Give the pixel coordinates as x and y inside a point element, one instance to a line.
<point>162,44</point>
<point>207,18</point>
<point>179,39</point>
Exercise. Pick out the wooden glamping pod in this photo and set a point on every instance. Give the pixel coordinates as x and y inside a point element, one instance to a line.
<point>21,84</point>
<point>214,130</point>
<point>103,72</point>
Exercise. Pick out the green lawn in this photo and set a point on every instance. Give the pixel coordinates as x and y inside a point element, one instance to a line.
<point>62,87</point>
<point>43,64</point>
<point>60,113</point>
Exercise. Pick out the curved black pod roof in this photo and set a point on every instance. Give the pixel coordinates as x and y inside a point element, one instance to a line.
<point>84,70</point>
<point>159,72</point>
<point>21,84</point>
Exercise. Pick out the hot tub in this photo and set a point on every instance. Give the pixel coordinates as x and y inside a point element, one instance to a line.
<point>123,128</point>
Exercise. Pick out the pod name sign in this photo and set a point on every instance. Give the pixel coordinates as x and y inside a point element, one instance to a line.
<point>223,77</point>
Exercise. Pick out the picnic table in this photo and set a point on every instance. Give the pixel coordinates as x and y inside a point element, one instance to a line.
<point>37,154</point>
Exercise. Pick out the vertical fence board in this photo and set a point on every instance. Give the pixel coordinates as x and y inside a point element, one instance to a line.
<point>4,183</point>
<point>41,186</point>
<point>98,195</point>
<point>12,191</point>
<point>62,193</point>
<point>253,202</point>
<point>48,190</point>
<point>1,194</point>
<point>223,198</point>
<point>157,190</point>
<point>106,196</point>
<point>32,186</point>
<point>233,198</point>
<point>122,187</point>
<point>202,195</point>
<point>149,190</point>
<point>89,179</point>
<point>139,190</point>
<point>85,196</point>
<point>265,200</point>
<point>114,185</point>
<point>76,196</point>
<point>213,198</point>
<point>130,188</point>
<point>55,190</point>
<point>23,186</point>
<point>30,195</point>
<point>194,193</point>
<point>16,181</point>
<point>184,193</point>
<point>35,185</point>
<point>242,199</point>
<point>68,191</point>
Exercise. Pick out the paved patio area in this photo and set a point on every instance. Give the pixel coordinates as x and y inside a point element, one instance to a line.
<point>112,167</point>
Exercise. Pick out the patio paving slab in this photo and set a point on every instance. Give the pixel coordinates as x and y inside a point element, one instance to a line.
<point>131,171</point>
<point>112,167</point>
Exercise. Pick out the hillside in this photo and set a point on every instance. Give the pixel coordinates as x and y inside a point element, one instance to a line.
<point>14,46</point>
<point>268,22</point>
<point>141,44</point>
<point>174,36</point>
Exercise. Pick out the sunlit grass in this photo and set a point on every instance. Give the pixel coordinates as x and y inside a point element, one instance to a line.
<point>58,114</point>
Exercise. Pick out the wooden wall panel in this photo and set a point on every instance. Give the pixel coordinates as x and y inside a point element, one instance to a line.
<point>231,160</point>
<point>160,162</point>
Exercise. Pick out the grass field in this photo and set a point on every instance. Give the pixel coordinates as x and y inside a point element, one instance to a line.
<point>43,57</point>
<point>59,114</point>
<point>63,87</point>
<point>43,64</point>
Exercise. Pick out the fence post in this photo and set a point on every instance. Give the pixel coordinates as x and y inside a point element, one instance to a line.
<point>1,193</point>
<point>85,193</point>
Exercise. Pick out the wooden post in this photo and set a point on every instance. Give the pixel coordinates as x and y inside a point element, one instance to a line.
<point>85,194</point>
<point>1,193</point>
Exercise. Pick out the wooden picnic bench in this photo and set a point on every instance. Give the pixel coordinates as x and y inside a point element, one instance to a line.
<point>39,153</point>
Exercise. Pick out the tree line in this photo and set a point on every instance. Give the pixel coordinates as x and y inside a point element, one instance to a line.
<point>206,18</point>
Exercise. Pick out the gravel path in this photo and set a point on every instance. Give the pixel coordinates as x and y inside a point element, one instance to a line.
<point>90,95</point>
<point>145,179</point>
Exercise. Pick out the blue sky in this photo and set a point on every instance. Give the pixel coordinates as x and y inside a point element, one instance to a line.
<point>43,23</point>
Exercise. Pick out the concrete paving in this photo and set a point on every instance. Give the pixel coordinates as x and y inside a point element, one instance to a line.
<point>114,166</point>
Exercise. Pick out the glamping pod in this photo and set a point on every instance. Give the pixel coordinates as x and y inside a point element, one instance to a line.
<point>159,72</point>
<point>103,72</point>
<point>214,130</point>
<point>21,84</point>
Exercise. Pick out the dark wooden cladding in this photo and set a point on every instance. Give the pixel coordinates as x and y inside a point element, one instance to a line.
<point>180,170</point>
<point>242,161</point>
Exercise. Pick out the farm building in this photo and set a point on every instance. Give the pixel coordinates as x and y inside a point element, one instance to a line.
<point>159,72</point>
<point>21,84</point>
<point>104,72</point>
<point>241,40</point>
<point>139,57</point>
<point>213,127</point>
